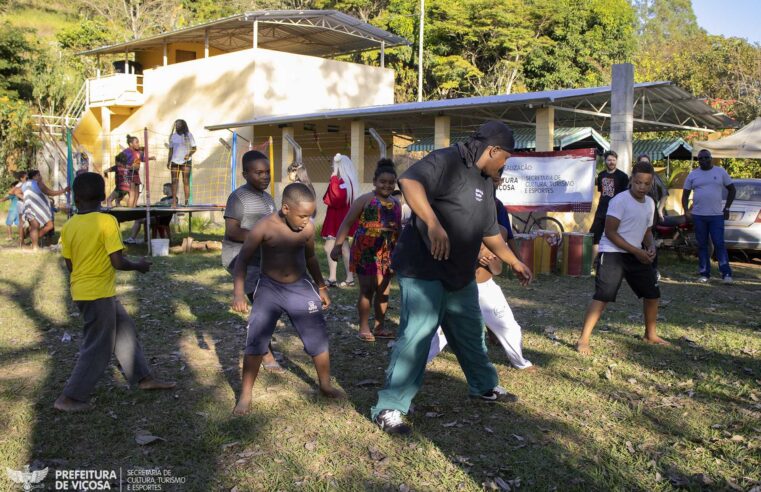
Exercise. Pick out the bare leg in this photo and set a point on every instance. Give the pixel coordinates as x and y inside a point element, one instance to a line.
<point>34,233</point>
<point>594,311</point>
<point>651,314</point>
<point>46,228</point>
<point>134,193</point>
<point>21,234</point>
<point>383,287</point>
<point>175,171</point>
<point>10,233</point>
<point>332,265</point>
<point>270,363</point>
<point>251,365</point>
<point>186,183</point>
<point>322,365</point>
<point>135,229</point>
<point>367,288</point>
<point>346,252</point>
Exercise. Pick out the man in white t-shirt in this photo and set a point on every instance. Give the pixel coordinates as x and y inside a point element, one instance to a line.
<point>709,182</point>
<point>622,256</point>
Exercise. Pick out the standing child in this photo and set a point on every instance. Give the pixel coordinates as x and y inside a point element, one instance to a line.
<point>12,218</point>
<point>286,239</point>
<point>92,247</point>
<point>622,256</point>
<point>123,181</point>
<point>379,221</point>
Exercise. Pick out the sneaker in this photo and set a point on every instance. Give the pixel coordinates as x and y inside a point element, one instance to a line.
<point>727,279</point>
<point>657,276</point>
<point>390,422</point>
<point>703,279</point>
<point>497,394</point>
<point>130,240</point>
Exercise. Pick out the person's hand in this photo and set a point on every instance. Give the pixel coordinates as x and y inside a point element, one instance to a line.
<point>486,259</point>
<point>324,297</point>
<point>688,215</point>
<point>661,218</point>
<point>105,174</point>
<point>143,266</point>
<point>726,214</point>
<point>240,304</point>
<point>335,253</point>
<point>644,257</point>
<point>67,189</point>
<point>652,251</point>
<point>439,241</point>
<point>523,272</point>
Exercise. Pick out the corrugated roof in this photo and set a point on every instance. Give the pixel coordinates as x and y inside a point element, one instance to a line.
<point>660,149</point>
<point>658,106</point>
<point>306,32</point>
<point>525,139</point>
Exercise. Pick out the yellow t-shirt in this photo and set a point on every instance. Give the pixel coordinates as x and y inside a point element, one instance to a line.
<point>88,240</point>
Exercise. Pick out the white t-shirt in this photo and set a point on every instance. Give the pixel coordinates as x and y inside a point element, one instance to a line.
<point>636,217</point>
<point>707,187</point>
<point>181,145</point>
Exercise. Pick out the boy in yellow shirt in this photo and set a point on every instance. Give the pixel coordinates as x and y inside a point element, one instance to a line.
<point>92,248</point>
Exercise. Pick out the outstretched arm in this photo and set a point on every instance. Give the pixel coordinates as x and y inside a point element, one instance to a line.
<point>351,217</point>
<point>313,266</point>
<point>253,240</point>
<point>496,245</point>
<point>417,199</point>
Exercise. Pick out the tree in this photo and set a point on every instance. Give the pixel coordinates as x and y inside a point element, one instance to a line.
<point>18,140</point>
<point>16,54</point>
<point>136,18</point>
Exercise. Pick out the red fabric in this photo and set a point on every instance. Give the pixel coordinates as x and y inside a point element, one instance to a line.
<point>335,199</point>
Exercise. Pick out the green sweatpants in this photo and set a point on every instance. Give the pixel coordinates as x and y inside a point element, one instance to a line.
<point>426,305</point>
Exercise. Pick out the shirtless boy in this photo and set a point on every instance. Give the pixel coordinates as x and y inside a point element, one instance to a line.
<point>286,239</point>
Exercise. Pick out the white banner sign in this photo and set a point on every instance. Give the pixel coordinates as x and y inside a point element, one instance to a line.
<point>559,181</point>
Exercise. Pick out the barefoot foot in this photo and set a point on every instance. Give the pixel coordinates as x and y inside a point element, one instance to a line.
<point>150,383</point>
<point>243,406</point>
<point>656,340</point>
<point>583,348</point>
<point>331,392</point>
<point>66,404</point>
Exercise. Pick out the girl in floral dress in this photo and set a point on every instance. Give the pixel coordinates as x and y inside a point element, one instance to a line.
<point>379,220</point>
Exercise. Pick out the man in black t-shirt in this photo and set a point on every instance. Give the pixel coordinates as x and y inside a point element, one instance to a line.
<point>451,194</point>
<point>610,182</point>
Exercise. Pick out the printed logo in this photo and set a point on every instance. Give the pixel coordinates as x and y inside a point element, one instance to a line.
<point>499,311</point>
<point>479,195</point>
<point>27,478</point>
<point>608,187</point>
<point>312,307</point>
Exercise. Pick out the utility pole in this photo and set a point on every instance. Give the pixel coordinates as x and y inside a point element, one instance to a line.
<point>420,54</point>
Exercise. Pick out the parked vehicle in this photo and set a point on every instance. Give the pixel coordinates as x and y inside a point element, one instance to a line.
<point>677,234</point>
<point>742,232</point>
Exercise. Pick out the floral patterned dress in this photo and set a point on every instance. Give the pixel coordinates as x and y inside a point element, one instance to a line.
<point>377,231</point>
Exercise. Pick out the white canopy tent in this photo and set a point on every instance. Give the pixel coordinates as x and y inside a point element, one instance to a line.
<point>744,143</point>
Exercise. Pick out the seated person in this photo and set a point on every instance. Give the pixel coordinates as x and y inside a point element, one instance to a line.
<point>161,225</point>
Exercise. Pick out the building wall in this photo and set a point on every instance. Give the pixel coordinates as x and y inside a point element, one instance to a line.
<point>232,87</point>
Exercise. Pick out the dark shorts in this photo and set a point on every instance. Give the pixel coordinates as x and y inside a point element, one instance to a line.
<point>181,167</point>
<point>598,227</point>
<point>300,301</point>
<point>612,268</point>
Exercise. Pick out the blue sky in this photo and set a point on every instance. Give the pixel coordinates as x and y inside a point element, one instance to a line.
<point>737,18</point>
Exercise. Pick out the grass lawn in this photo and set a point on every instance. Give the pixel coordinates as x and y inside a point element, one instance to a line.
<point>631,417</point>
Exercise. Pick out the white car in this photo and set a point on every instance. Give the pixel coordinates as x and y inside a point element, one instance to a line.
<point>743,229</point>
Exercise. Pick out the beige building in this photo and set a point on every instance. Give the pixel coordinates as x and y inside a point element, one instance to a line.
<point>254,64</point>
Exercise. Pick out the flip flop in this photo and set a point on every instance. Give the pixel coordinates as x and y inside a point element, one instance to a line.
<point>276,368</point>
<point>366,337</point>
<point>346,284</point>
<point>384,334</point>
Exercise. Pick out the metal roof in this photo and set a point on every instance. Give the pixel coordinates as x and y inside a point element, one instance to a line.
<point>525,139</point>
<point>658,106</point>
<point>306,32</point>
<point>662,148</point>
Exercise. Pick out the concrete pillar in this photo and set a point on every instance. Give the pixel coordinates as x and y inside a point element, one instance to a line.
<point>206,43</point>
<point>441,132</point>
<point>622,114</point>
<point>286,153</point>
<point>358,148</point>
<point>166,58</point>
<point>105,136</point>
<point>545,129</point>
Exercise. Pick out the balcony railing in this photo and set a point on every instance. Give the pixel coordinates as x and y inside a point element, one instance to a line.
<point>119,89</point>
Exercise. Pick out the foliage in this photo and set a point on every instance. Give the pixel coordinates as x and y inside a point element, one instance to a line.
<point>18,140</point>
<point>16,54</point>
